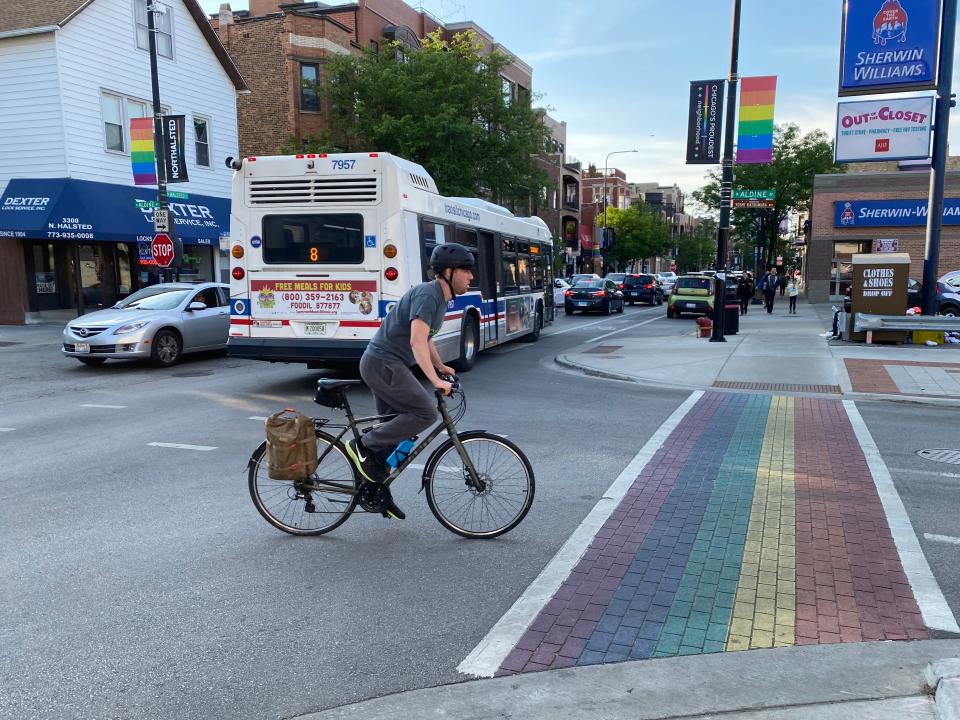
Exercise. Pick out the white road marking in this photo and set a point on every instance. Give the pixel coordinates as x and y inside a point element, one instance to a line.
<point>601,337</point>
<point>942,538</point>
<point>486,657</point>
<point>930,473</point>
<point>7,429</point>
<point>552,333</point>
<point>257,417</point>
<point>181,446</point>
<point>933,606</point>
<point>108,407</point>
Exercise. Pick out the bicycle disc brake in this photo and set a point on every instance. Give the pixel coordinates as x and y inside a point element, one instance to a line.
<point>373,497</point>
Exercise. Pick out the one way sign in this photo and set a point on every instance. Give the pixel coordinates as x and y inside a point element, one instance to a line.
<point>161,221</point>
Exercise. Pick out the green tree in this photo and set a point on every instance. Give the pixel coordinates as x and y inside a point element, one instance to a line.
<point>796,159</point>
<point>696,250</point>
<point>442,106</point>
<point>639,233</point>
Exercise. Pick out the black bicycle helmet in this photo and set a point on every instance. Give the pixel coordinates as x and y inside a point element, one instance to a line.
<point>451,255</point>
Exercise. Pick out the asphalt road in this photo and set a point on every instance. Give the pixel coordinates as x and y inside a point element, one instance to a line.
<point>139,582</point>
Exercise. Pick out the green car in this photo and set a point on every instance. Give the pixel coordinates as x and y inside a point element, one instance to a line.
<point>691,294</point>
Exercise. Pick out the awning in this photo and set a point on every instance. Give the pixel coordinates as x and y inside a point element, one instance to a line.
<point>83,210</point>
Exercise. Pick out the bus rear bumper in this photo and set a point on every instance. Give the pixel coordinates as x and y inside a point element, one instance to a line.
<point>297,350</point>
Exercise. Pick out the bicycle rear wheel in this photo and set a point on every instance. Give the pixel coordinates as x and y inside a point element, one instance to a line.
<point>505,498</point>
<point>314,506</point>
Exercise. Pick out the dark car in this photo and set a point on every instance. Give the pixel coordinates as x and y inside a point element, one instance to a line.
<point>593,294</point>
<point>642,288</point>
<point>914,291</point>
<point>948,295</point>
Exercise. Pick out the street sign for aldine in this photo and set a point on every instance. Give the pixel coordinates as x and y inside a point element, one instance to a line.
<point>754,199</point>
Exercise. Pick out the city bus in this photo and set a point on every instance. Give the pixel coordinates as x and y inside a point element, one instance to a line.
<point>322,247</point>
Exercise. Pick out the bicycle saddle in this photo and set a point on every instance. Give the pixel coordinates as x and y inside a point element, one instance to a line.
<point>328,385</point>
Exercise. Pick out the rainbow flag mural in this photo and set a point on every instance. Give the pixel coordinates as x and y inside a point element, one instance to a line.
<point>755,137</point>
<point>142,155</point>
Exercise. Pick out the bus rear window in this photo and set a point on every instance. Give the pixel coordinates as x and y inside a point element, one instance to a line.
<point>334,239</point>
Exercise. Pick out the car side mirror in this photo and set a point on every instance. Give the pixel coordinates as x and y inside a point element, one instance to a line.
<point>196,306</point>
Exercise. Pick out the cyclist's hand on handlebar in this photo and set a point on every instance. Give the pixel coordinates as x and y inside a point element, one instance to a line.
<point>444,387</point>
<point>446,370</point>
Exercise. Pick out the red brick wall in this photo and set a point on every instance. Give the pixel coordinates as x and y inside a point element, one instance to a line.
<point>374,14</point>
<point>874,186</point>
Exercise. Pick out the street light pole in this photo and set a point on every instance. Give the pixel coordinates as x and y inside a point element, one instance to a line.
<point>603,232</point>
<point>726,184</point>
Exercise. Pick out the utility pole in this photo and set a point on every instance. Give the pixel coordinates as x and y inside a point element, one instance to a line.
<point>726,183</point>
<point>938,170</point>
<point>158,135</point>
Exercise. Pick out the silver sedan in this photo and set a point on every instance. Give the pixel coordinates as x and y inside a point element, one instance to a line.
<point>159,322</point>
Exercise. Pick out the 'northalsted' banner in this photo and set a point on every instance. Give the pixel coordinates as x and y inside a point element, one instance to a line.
<point>705,124</point>
<point>175,158</point>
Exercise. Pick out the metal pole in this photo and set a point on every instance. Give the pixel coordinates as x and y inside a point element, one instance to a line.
<point>157,123</point>
<point>603,229</point>
<point>931,258</point>
<point>726,184</point>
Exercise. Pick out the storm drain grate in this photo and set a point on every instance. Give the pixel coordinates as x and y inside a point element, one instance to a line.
<point>777,387</point>
<point>8,343</point>
<point>941,455</point>
<point>601,349</point>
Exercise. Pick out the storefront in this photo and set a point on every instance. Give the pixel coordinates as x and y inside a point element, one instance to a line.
<point>74,246</point>
<point>870,213</point>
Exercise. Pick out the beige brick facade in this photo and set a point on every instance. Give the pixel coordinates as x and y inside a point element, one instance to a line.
<point>829,189</point>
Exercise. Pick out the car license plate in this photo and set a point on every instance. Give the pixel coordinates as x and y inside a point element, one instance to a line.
<point>316,329</point>
<point>691,305</point>
<point>82,347</point>
<point>583,303</point>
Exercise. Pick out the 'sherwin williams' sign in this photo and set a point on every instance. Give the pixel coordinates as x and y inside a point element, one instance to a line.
<point>890,213</point>
<point>889,46</point>
<point>705,124</point>
<point>175,159</point>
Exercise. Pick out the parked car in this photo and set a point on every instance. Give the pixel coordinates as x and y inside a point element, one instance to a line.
<point>948,295</point>
<point>691,294</point>
<point>593,294</point>
<point>559,287</point>
<point>160,322</point>
<point>642,288</point>
<point>667,279</point>
<point>914,294</point>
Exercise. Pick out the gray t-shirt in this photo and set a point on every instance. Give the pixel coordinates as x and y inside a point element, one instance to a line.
<point>392,340</point>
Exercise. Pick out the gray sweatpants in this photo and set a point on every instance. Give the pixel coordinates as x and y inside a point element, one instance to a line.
<point>396,390</point>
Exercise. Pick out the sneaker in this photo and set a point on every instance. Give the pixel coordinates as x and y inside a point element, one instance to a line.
<point>392,511</point>
<point>366,461</point>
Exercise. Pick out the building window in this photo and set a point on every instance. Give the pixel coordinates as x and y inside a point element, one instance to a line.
<point>309,82</point>
<point>509,90</point>
<point>201,140</point>
<point>111,107</point>
<point>163,21</point>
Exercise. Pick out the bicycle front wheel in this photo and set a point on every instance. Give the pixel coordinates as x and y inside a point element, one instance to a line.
<point>313,506</point>
<point>506,491</point>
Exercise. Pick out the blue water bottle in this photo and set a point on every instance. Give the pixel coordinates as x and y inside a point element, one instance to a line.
<point>400,453</point>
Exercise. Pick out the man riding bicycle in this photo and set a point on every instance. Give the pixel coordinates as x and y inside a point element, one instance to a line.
<point>403,340</point>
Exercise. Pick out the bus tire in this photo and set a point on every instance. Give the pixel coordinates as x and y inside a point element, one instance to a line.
<point>534,335</point>
<point>469,343</point>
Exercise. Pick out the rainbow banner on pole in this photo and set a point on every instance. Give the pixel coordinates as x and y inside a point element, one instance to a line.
<point>142,155</point>
<point>755,136</point>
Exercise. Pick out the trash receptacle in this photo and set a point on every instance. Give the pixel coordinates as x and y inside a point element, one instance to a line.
<point>731,319</point>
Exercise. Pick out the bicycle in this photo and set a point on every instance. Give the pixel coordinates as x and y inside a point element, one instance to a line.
<point>478,484</point>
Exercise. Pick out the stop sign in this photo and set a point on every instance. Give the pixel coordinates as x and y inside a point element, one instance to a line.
<point>162,249</point>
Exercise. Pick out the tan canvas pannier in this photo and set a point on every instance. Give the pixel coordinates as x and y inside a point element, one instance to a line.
<point>291,445</point>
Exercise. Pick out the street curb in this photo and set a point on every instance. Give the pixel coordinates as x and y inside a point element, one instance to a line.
<point>564,361</point>
<point>943,676</point>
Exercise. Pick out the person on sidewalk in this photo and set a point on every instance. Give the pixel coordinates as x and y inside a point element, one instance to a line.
<point>769,287</point>
<point>793,291</point>
<point>744,293</point>
<point>782,283</point>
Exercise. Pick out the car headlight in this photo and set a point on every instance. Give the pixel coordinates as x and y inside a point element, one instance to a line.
<point>131,327</point>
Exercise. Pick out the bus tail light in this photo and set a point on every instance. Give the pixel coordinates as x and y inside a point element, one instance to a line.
<point>238,273</point>
<point>390,251</point>
<point>237,251</point>
<point>391,274</point>
<point>374,154</point>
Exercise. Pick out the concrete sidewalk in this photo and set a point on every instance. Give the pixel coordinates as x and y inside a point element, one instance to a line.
<point>34,334</point>
<point>775,352</point>
<point>876,681</point>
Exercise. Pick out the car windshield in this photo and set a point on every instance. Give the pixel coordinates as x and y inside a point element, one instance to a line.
<point>694,283</point>
<point>588,283</point>
<point>155,298</point>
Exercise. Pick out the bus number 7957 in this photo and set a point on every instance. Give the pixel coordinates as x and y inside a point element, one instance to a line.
<point>343,164</point>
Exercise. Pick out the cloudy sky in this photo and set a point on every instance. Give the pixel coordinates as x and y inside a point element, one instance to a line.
<point>618,72</point>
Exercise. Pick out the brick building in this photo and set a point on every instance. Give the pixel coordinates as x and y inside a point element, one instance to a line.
<point>851,211</point>
<point>561,209</point>
<point>619,195</point>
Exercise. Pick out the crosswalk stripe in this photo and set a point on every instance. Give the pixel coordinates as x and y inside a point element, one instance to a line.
<point>181,446</point>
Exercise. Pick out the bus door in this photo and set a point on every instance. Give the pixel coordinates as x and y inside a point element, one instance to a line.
<point>546,257</point>
<point>488,270</point>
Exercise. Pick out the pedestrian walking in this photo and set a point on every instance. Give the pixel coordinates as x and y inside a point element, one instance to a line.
<point>783,281</point>
<point>793,291</point>
<point>744,293</point>
<point>769,288</point>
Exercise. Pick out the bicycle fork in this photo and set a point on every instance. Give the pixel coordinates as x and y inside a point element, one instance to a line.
<point>473,478</point>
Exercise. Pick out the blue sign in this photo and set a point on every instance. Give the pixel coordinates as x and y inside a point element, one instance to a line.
<point>255,241</point>
<point>889,45</point>
<point>370,241</point>
<point>890,213</point>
